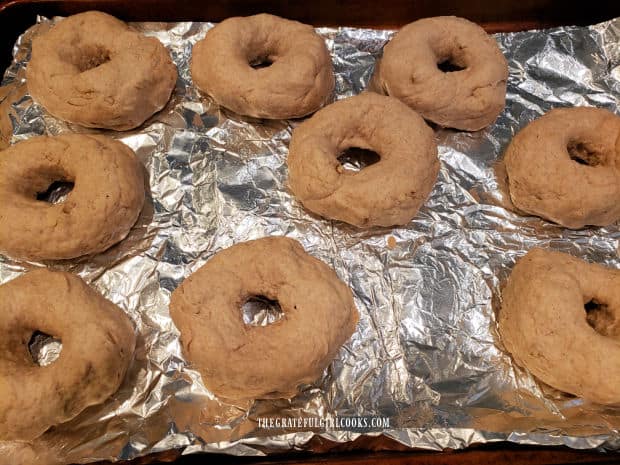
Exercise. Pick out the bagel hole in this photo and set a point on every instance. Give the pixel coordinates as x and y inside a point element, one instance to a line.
<point>259,310</point>
<point>261,62</point>
<point>600,317</point>
<point>449,65</point>
<point>584,153</point>
<point>44,349</point>
<point>356,158</point>
<point>57,192</point>
<point>91,57</point>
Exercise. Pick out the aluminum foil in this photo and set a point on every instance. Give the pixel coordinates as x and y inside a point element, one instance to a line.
<point>425,354</point>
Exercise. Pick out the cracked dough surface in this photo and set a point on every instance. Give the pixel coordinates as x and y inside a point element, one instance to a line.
<point>239,361</point>
<point>98,341</point>
<point>105,202</point>
<point>93,70</point>
<point>389,192</point>
<point>469,99</point>
<point>544,324</point>
<point>298,82</point>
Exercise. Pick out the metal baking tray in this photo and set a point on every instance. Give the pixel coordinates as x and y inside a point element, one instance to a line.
<point>17,16</point>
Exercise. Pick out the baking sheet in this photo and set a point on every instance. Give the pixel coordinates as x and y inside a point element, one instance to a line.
<point>425,353</point>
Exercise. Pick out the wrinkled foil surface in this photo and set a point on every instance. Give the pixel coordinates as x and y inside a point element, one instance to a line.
<point>426,352</point>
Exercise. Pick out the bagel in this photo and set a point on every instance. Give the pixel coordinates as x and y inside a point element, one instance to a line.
<point>6,126</point>
<point>467,96</point>
<point>297,80</point>
<point>105,202</point>
<point>565,167</point>
<point>389,192</point>
<point>560,319</point>
<point>93,70</point>
<point>239,361</point>
<point>97,347</point>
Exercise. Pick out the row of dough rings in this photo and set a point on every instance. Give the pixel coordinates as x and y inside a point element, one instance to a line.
<point>98,337</point>
<point>565,133</point>
<point>530,308</point>
<point>93,70</point>
<point>541,323</point>
<point>529,326</point>
<point>234,359</point>
<point>560,316</point>
<point>63,59</point>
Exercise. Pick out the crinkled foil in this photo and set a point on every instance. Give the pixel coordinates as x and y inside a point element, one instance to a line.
<point>426,352</point>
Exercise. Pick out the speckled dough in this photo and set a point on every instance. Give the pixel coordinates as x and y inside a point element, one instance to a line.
<point>239,361</point>
<point>544,324</point>
<point>565,167</point>
<point>99,212</point>
<point>298,82</point>
<point>97,347</point>
<point>389,192</point>
<point>469,99</point>
<point>93,70</point>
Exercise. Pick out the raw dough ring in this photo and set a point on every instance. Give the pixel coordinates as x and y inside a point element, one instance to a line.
<point>565,167</point>
<point>239,361</point>
<point>468,99</point>
<point>389,192</point>
<point>551,305</point>
<point>298,81</point>
<point>93,70</point>
<point>104,204</point>
<point>97,347</point>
